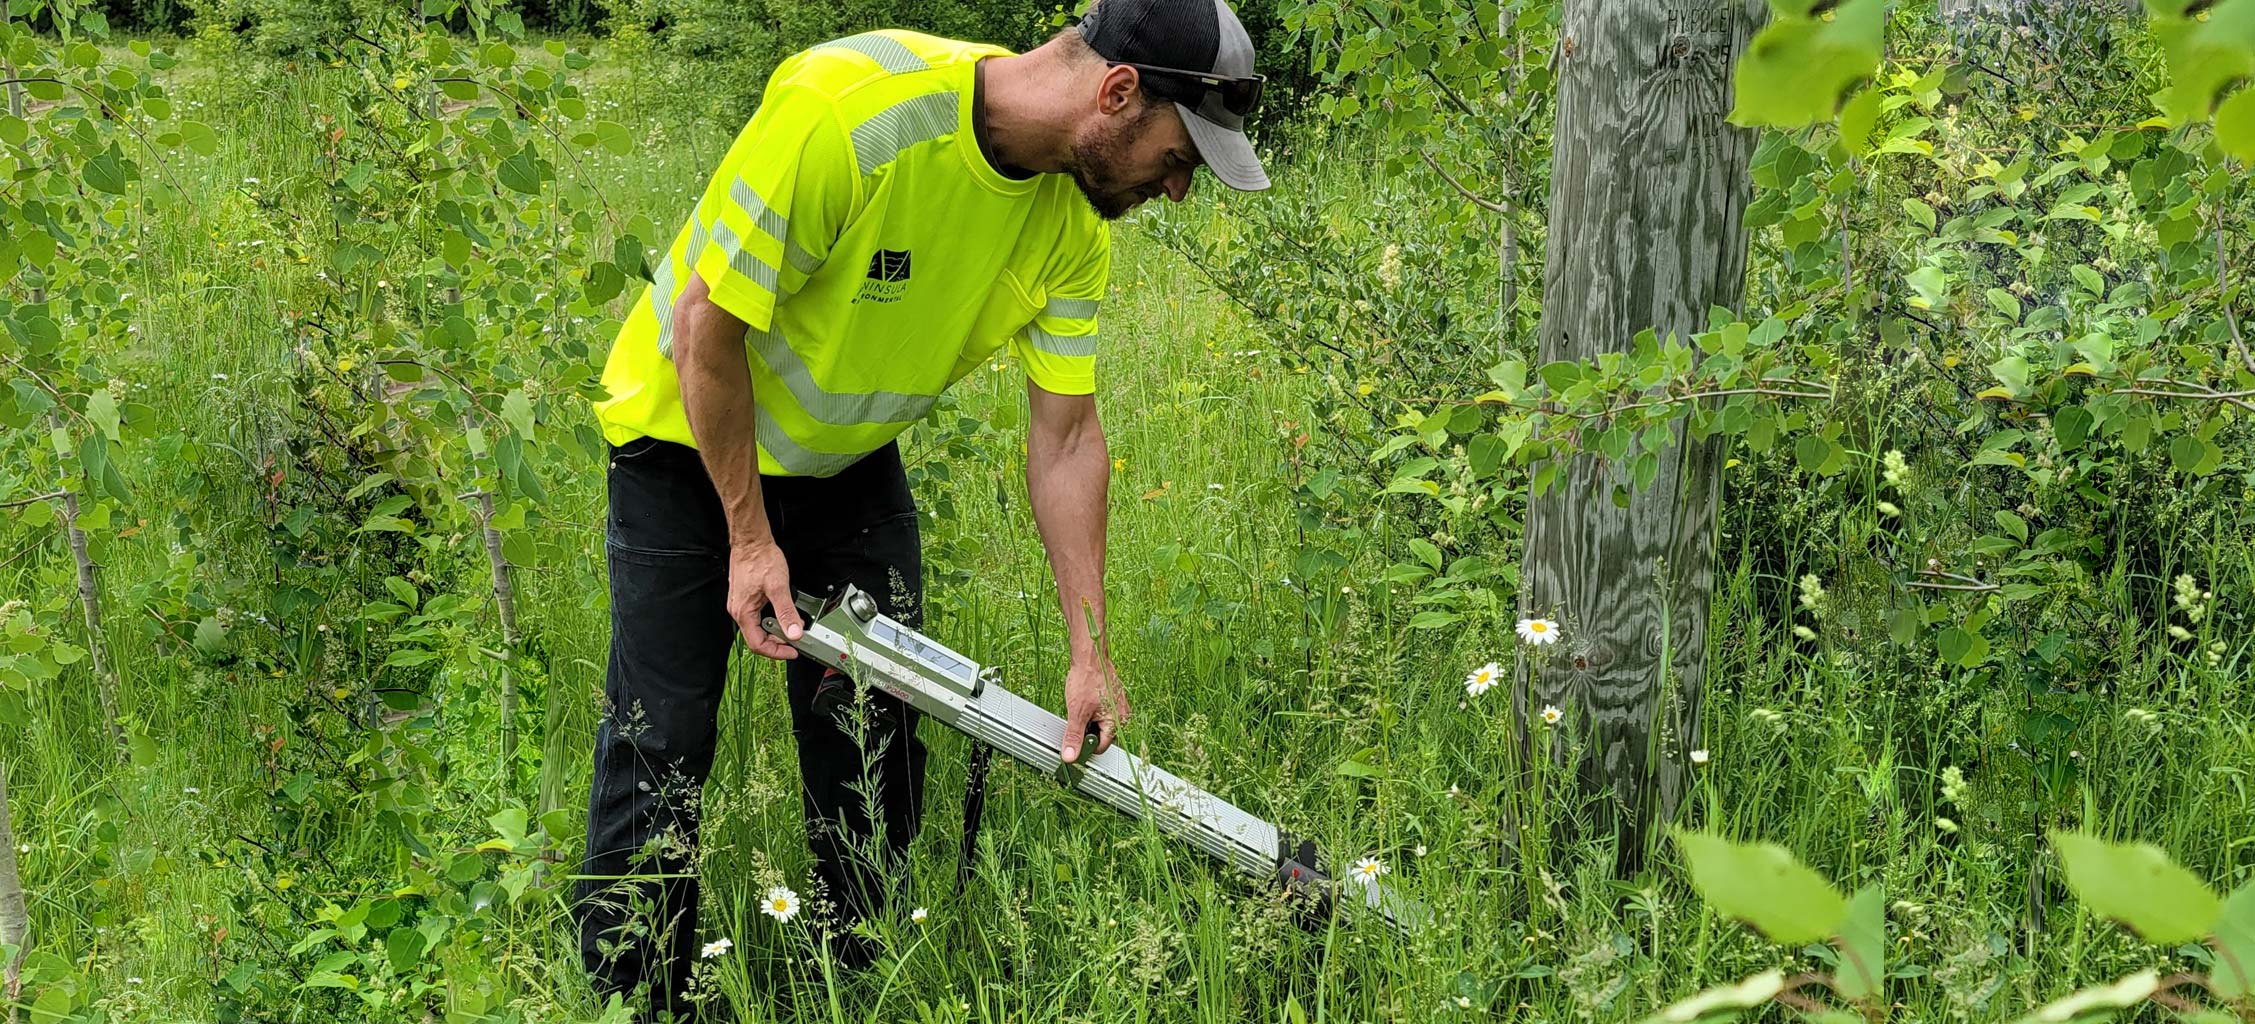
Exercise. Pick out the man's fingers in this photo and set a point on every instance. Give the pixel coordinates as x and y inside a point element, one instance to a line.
<point>762,642</point>
<point>786,609</point>
<point>1104,742</point>
<point>1076,726</point>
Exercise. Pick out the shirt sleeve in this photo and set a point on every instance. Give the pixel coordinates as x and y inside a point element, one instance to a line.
<point>1058,347</point>
<point>778,202</point>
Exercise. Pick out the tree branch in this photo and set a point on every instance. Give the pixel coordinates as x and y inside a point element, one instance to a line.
<point>33,500</point>
<point>1478,200</point>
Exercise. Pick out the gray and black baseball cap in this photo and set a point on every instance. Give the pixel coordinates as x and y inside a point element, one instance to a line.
<point>1215,86</point>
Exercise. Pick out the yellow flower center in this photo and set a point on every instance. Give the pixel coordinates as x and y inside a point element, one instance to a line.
<point>1538,627</point>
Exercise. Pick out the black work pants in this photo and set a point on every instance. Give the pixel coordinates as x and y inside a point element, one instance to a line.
<point>667,548</point>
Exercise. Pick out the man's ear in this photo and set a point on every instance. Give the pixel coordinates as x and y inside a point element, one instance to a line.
<point>1119,90</point>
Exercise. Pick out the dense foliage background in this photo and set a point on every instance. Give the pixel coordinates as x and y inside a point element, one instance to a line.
<point>304,306</point>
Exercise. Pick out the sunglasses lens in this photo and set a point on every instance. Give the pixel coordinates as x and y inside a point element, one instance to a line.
<point>1243,96</point>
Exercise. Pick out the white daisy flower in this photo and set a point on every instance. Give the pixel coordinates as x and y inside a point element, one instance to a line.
<point>1368,869</point>
<point>716,947</point>
<point>1538,631</point>
<point>781,904</point>
<point>919,914</point>
<point>1551,715</point>
<point>1482,679</point>
<point>1698,757</point>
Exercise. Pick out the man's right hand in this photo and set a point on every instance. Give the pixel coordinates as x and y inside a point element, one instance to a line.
<point>758,579</point>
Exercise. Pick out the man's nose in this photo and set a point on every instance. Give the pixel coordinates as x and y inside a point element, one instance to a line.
<point>1178,185</point>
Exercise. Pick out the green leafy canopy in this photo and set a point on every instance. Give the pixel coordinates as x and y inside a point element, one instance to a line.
<point>1802,67</point>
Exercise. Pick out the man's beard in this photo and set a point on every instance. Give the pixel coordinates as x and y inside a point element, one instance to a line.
<point>1093,153</point>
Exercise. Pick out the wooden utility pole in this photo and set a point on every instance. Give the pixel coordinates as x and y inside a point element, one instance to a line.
<point>1648,185</point>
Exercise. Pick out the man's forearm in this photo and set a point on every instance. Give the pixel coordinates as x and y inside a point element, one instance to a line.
<point>716,393</point>
<point>1068,475</point>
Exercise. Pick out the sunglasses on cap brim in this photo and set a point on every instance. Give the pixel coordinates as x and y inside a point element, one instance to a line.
<point>1239,96</point>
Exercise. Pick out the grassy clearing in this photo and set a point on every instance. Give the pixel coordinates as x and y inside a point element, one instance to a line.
<point>151,874</point>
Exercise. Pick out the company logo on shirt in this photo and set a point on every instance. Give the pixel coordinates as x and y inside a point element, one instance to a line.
<point>888,276</point>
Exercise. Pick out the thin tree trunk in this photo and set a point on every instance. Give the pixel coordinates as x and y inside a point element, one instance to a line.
<point>15,89</point>
<point>15,919</point>
<point>1648,184</point>
<point>90,604</point>
<point>1507,242</point>
<point>504,598</point>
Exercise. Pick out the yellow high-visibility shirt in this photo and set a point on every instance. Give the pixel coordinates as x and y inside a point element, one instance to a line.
<point>876,256</point>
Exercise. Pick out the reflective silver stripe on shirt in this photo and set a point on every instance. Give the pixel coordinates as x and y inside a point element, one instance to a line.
<point>757,209</point>
<point>662,287</point>
<point>887,52</point>
<point>800,260</point>
<point>1070,309</point>
<point>741,260</point>
<point>1061,344</point>
<point>837,408</point>
<point>916,119</point>
<point>793,456</point>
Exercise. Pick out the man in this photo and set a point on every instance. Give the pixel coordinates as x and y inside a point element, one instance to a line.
<point>900,209</point>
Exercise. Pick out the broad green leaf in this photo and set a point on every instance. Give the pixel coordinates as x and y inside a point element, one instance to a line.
<point>1430,619</point>
<point>1722,999</point>
<point>603,283</point>
<point>101,407</point>
<point>2122,994</point>
<point>2072,426</point>
<point>2139,886</point>
<point>1426,552</point>
<point>517,410</point>
<point>1920,212</point>
<point>521,172</point>
<point>2234,942</point>
<point>1856,122</point>
<point>1799,69</point>
<point>1932,286</point>
<point>613,136</point>
<point>1762,885</point>
<point>106,171</point>
<point>1863,946</point>
<point>199,137</point>
<point>2209,55</point>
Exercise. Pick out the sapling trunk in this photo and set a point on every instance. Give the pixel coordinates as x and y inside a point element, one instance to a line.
<point>90,604</point>
<point>15,920</point>
<point>505,599</point>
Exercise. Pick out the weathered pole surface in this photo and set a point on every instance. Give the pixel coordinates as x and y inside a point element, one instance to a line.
<point>15,920</point>
<point>1648,187</point>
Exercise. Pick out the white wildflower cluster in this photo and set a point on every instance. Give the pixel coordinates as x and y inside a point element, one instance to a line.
<point>1813,600</point>
<point>2192,600</point>
<point>1894,469</point>
<point>1390,266</point>
<point>2193,603</point>
<point>1953,793</point>
<point>1813,595</point>
<point>2145,717</point>
<point>1772,718</point>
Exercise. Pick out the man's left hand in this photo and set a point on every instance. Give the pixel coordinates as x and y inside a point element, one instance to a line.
<point>1093,694</point>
